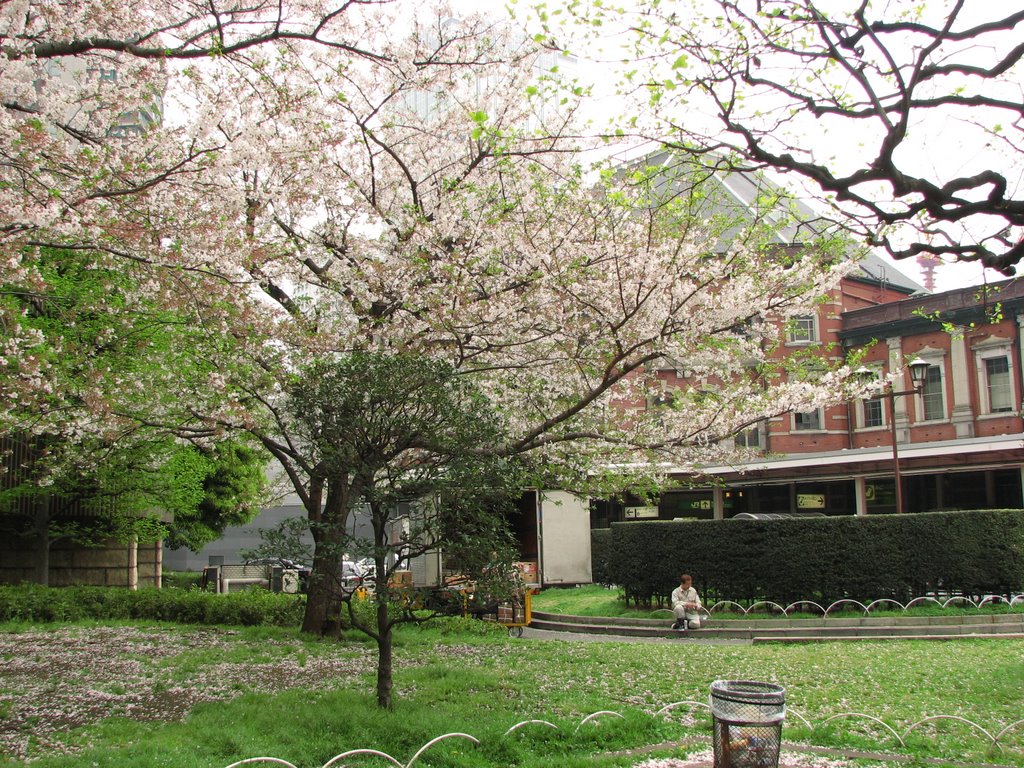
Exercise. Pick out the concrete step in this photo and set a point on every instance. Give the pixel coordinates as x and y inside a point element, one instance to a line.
<point>795,630</point>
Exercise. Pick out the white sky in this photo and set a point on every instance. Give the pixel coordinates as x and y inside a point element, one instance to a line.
<point>945,151</point>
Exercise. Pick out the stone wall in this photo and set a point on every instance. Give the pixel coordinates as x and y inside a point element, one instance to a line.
<point>115,564</point>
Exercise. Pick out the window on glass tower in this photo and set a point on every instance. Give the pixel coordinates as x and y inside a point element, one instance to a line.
<point>932,395</point>
<point>997,373</point>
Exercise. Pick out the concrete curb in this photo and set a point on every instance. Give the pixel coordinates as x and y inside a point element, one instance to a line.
<point>990,626</point>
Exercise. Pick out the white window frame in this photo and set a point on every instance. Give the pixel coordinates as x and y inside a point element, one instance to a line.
<point>819,418</point>
<point>934,364</point>
<point>994,348</point>
<point>883,417</point>
<point>1006,386</point>
<point>802,330</point>
<point>741,438</point>
<point>862,407</point>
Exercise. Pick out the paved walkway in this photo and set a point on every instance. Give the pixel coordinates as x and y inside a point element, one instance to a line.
<point>781,630</point>
<point>530,633</point>
<point>803,756</point>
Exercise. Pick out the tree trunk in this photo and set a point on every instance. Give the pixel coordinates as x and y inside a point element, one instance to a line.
<point>384,656</point>
<point>382,596</point>
<point>323,595</point>
<point>323,602</point>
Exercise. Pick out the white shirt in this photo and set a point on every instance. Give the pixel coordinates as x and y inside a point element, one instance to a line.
<point>688,595</point>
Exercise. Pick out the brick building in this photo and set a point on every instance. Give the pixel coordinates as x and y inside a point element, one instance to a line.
<point>959,438</point>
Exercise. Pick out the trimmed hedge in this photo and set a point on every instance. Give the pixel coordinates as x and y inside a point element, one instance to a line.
<point>601,556</point>
<point>253,607</point>
<point>823,559</point>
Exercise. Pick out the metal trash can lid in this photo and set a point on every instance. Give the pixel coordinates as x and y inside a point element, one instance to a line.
<point>746,702</point>
<point>748,692</point>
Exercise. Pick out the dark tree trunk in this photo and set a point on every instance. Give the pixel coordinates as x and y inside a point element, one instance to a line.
<point>323,596</point>
<point>385,647</point>
<point>382,596</point>
<point>323,602</point>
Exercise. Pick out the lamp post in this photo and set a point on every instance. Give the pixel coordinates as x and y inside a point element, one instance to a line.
<point>918,374</point>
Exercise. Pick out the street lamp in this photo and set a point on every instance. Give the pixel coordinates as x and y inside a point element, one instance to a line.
<point>918,375</point>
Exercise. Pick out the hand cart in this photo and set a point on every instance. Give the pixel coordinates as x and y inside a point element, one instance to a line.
<point>513,613</point>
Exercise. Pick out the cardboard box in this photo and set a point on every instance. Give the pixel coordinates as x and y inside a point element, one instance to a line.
<point>528,570</point>
<point>401,579</point>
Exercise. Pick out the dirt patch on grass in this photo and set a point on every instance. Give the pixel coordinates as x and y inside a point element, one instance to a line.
<point>54,681</point>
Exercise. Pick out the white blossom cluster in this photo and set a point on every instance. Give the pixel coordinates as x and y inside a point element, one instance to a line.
<point>376,179</point>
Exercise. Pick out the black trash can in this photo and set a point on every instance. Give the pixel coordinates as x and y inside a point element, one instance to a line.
<point>747,719</point>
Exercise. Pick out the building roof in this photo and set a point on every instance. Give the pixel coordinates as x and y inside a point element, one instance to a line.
<point>920,313</point>
<point>738,198</point>
<point>874,269</point>
<point>965,453</point>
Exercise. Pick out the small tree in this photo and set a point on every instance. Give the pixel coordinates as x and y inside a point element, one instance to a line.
<point>393,429</point>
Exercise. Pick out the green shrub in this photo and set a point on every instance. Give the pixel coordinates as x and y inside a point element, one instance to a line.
<point>601,556</point>
<point>823,559</point>
<point>249,608</point>
<point>180,579</point>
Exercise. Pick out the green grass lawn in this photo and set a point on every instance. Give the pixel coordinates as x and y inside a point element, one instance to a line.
<point>589,600</point>
<point>595,600</point>
<point>137,695</point>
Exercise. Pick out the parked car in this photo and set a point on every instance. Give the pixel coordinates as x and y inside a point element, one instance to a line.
<point>351,574</point>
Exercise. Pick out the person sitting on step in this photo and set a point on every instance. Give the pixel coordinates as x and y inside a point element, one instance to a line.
<point>686,604</point>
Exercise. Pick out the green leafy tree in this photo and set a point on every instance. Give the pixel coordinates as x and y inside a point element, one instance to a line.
<point>385,431</point>
<point>147,491</point>
<point>226,485</point>
<point>106,351</point>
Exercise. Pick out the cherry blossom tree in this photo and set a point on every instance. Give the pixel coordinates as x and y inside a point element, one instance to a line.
<point>390,180</point>
<point>904,116</point>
